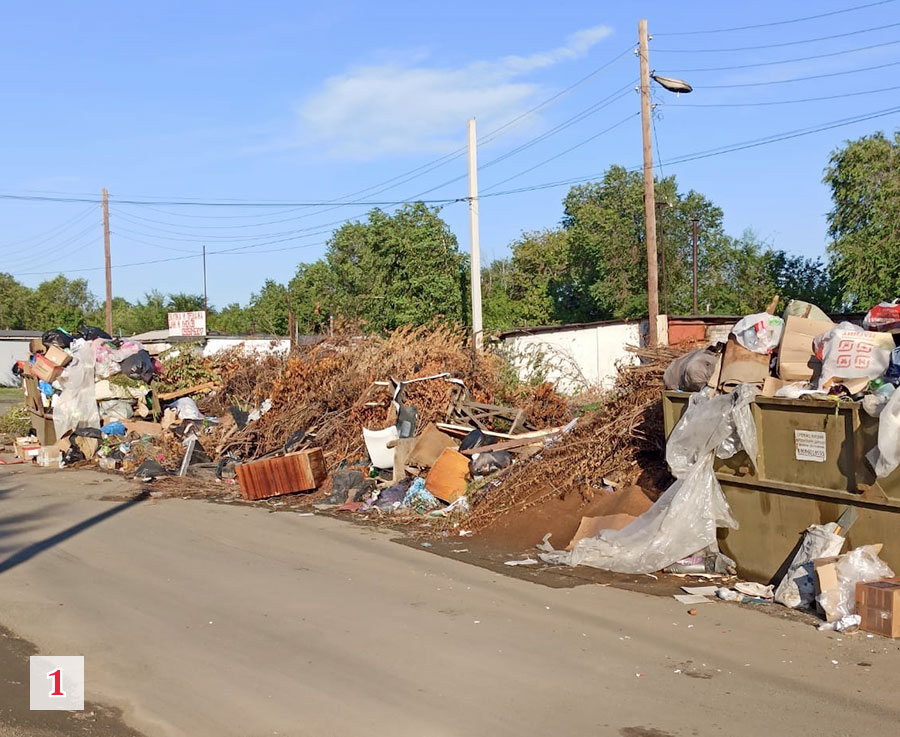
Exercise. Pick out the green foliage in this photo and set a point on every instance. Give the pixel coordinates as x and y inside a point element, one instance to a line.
<point>184,367</point>
<point>864,223</point>
<point>389,271</point>
<point>16,422</point>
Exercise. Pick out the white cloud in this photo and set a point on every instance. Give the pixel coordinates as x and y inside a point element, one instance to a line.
<point>409,107</point>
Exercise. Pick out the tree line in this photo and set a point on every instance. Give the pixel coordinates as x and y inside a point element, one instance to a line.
<point>407,267</point>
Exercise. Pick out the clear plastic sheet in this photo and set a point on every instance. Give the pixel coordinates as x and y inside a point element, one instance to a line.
<point>860,565</point>
<point>684,519</point>
<point>885,456</point>
<point>76,405</point>
<point>798,588</point>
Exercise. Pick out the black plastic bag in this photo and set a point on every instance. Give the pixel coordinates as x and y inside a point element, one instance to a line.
<point>73,455</point>
<point>138,366</point>
<point>90,332</point>
<point>58,337</point>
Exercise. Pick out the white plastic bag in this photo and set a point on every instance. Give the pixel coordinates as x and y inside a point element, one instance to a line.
<point>849,352</point>
<point>187,409</point>
<point>684,519</point>
<point>885,456</point>
<point>798,587</point>
<point>759,333</point>
<point>860,565</point>
<point>77,403</point>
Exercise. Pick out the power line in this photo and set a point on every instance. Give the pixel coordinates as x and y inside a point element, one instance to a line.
<point>800,79</point>
<point>53,232</point>
<point>797,133</point>
<point>786,61</point>
<point>223,203</point>
<point>775,23</point>
<point>563,153</point>
<point>775,45</point>
<point>675,106</point>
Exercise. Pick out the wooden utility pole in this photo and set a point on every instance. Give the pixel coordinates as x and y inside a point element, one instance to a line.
<point>475,266</point>
<point>649,197</point>
<point>694,224</point>
<point>109,320</point>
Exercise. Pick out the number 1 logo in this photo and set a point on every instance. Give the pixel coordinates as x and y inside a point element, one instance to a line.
<point>57,682</point>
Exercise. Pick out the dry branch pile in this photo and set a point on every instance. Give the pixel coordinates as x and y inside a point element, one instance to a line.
<point>326,390</point>
<point>622,441</point>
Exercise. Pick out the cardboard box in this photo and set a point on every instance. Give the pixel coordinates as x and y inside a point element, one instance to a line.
<point>771,386</point>
<point>45,369</point>
<point>142,427</point>
<point>795,352</point>
<point>57,356</point>
<point>878,604</point>
<point>37,346</point>
<point>27,448</point>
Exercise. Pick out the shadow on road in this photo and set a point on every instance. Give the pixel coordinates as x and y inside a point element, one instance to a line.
<point>27,553</point>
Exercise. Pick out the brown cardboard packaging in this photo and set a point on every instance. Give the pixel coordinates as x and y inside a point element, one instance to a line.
<point>447,477</point>
<point>740,366</point>
<point>795,352</point>
<point>45,369</point>
<point>878,604</point>
<point>37,346</point>
<point>826,580</point>
<point>58,356</point>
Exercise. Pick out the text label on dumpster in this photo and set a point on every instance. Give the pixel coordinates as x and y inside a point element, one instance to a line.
<point>809,445</point>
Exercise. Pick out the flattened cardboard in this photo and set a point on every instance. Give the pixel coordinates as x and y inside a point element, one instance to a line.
<point>590,526</point>
<point>740,366</point>
<point>795,352</point>
<point>428,447</point>
<point>447,477</point>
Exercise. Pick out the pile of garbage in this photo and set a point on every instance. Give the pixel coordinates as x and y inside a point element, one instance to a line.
<point>804,355</point>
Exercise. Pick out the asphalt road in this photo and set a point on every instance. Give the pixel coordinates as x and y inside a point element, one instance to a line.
<point>205,619</point>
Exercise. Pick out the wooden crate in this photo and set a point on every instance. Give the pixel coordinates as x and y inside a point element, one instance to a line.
<point>287,474</point>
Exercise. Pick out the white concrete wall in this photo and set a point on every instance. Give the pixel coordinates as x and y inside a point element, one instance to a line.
<point>10,352</point>
<point>580,357</point>
<point>251,345</point>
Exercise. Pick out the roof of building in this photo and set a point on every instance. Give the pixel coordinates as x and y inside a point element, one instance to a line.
<point>19,334</point>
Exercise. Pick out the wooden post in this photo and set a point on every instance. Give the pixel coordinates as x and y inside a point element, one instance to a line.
<point>109,320</point>
<point>475,265</point>
<point>649,197</point>
<point>694,224</point>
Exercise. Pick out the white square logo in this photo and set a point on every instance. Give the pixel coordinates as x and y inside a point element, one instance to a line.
<point>57,682</point>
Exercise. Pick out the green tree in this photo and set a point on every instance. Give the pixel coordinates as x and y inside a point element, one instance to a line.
<point>13,303</point>
<point>59,302</point>
<point>268,309</point>
<point>183,302</point>
<point>391,270</point>
<point>864,223</point>
<point>314,296</point>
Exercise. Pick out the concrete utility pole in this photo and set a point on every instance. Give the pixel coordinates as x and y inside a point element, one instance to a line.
<point>109,320</point>
<point>205,305</point>
<point>477,329</point>
<point>694,224</point>
<point>649,197</point>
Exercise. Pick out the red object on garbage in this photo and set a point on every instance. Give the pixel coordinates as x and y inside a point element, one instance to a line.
<point>883,316</point>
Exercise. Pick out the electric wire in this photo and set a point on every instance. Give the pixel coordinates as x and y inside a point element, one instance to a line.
<point>676,105</point>
<point>776,23</point>
<point>800,79</point>
<point>775,45</point>
<point>786,61</point>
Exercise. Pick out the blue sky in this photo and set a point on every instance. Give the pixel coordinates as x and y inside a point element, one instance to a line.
<point>310,102</point>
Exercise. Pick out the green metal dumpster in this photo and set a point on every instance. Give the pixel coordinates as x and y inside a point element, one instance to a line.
<point>811,467</point>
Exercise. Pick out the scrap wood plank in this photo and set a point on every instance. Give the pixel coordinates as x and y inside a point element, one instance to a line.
<point>505,445</point>
<point>466,429</point>
<point>196,389</point>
